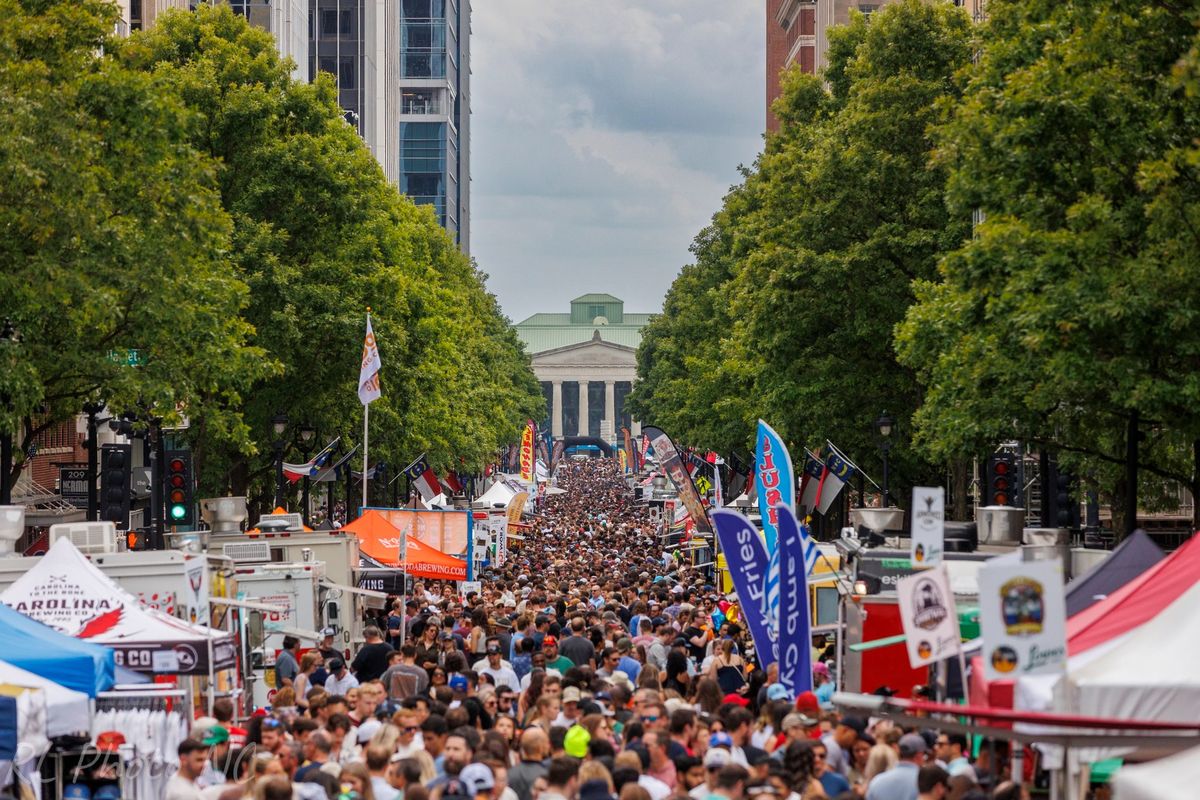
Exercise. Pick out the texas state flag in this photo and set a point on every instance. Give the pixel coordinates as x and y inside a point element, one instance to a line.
<point>423,478</point>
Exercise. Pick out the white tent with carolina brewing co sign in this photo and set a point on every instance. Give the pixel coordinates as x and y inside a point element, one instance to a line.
<point>70,594</point>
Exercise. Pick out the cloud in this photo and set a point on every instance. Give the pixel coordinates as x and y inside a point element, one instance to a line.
<point>604,135</point>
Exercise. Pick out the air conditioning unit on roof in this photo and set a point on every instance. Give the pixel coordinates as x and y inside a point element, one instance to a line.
<point>92,538</point>
<point>248,552</point>
<point>276,523</point>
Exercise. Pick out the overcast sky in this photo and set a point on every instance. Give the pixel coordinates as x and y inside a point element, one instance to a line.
<point>604,134</point>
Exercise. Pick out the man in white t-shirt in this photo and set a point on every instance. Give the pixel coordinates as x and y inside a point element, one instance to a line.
<point>193,755</point>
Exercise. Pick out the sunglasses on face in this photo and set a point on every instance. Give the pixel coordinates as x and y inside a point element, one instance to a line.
<point>271,724</point>
<point>411,728</point>
<point>649,719</point>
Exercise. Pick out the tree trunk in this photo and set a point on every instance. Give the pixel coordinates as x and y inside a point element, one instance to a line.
<point>1131,475</point>
<point>960,476</point>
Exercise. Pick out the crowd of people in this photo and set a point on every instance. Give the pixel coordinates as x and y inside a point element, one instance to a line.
<point>595,664</point>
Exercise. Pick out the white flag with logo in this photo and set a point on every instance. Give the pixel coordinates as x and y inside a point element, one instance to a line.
<point>928,526</point>
<point>368,374</point>
<point>929,616</point>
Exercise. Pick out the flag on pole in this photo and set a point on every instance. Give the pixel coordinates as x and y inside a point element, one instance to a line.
<point>368,373</point>
<point>837,473</point>
<point>527,453</point>
<point>310,468</point>
<point>452,484</point>
<point>334,471</point>
<point>423,478</point>
<point>814,468</point>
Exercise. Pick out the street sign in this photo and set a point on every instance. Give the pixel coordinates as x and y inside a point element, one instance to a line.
<point>73,485</point>
<point>128,358</point>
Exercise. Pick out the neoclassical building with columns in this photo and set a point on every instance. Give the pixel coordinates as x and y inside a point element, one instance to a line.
<point>585,361</point>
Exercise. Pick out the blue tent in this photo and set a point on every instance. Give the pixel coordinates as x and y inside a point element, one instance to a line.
<point>67,661</point>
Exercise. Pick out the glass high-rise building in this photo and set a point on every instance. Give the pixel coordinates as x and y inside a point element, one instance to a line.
<point>435,109</point>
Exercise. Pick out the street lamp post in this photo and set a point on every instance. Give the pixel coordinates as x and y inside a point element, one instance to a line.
<point>92,409</point>
<point>279,424</point>
<point>884,426</point>
<point>306,437</point>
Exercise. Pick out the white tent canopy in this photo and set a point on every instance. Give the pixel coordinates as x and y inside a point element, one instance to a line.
<point>498,493</point>
<point>70,594</point>
<point>67,710</point>
<point>1171,778</point>
<point>1150,674</point>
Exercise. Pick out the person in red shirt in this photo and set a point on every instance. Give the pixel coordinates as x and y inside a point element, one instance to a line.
<point>223,713</point>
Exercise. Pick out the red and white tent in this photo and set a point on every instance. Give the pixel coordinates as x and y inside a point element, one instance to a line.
<point>70,594</point>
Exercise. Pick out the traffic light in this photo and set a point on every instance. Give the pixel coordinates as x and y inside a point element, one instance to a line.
<point>1003,482</point>
<point>1062,504</point>
<point>137,539</point>
<point>177,480</point>
<point>115,474</point>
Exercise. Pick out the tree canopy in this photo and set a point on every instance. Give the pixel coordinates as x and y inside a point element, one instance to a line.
<point>178,194</point>
<point>1071,312</point>
<point>788,312</point>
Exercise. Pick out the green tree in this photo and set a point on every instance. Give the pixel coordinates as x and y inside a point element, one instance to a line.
<point>319,235</point>
<point>817,252</point>
<point>1065,321</point>
<point>114,236</point>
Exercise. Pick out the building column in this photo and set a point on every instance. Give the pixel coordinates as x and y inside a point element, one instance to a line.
<point>556,421</point>
<point>635,428</point>
<point>610,408</point>
<point>583,407</point>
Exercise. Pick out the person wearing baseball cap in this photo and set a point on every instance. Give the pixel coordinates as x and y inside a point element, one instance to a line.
<point>823,684</point>
<point>553,659</point>
<point>840,741</point>
<point>900,782</point>
<point>714,759</point>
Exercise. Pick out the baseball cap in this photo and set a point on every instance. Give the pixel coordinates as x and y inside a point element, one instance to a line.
<point>109,791</point>
<point>735,700</point>
<point>911,744</point>
<point>821,668</point>
<point>336,664</point>
<point>807,702</point>
<point>215,735</point>
<point>856,724</point>
<point>328,632</point>
<point>777,691</point>
<point>478,778</point>
<point>575,743</point>
<point>458,682</point>
<point>571,694</point>
<point>716,758</point>
<point>493,649</point>
<point>76,791</point>
<point>720,739</point>
<point>549,641</point>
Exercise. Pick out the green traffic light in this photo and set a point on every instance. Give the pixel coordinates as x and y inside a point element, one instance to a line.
<point>178,512</point>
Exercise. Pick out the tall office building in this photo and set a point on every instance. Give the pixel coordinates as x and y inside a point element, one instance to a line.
<point>435,110</point>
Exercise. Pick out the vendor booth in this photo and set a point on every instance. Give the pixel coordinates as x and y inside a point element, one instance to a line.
<point>1173,778</point>
<point>1130,559</point>
<point>67,592</point>
<point>66,711</point>
<point>379,540</point>
<point>69,662</point>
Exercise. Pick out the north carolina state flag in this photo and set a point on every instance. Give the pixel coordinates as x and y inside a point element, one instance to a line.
<point>452,484</point>
<point>423,478</point>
